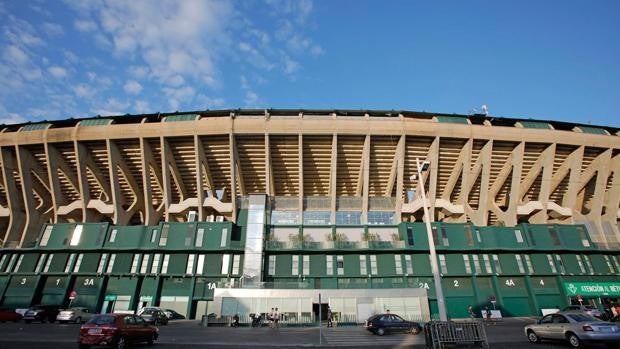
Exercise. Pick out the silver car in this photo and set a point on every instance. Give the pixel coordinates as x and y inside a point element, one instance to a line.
<point>575,327</point>
<point>78,315</point>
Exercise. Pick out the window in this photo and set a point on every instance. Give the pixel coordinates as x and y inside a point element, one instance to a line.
<point>134,263</point>
<point>555,239</point>
<point>340,265</point>
<point>551,264</point>
<point>348,218</point>
<point>48,263</point>
<point>478,237</point>
<point>558,259</point>
<point>102,260</point>
<point>467,264</point>
<point>317,217</point>
<point>408,265</point>
<point>225,264</point>
<point>588,264</point>
<point>77,235</point>
<point>153,235</point>
<point>144,267</point>
<point>284,217</point>
<point>295,265</point>
<point>164,264</point>
<point>46,235</point>
<point>9,266</point>
<point>607,260</point>
<point>487,264</point>
<point>224,239</point>
<point>380,217</point>
<point>111,263</point>
<point>530,266</point>
<point>373,265</point>
<point>498,266</point>
<point>272,265</point>
<point>40,262</point>
<point>329,262</point>
<point>518,236</point>
<point>580,263</point>
<point>19,263</point>
<point>363,265</point>
<point>163,237</point>
<point>398,263</point>
<point>306,265</point>
<point>3,259</point>
<point>113,235</point>
<point>583,236</point>
<point>444,236</point>
<point>468,235</point>
<point>69,262</point>
<point>201,264</point>
<point>78,263</point>
<point>189,269</point>
<point>410,236</point>
<point>520,264</point>
<point>476,264</point>
<point>443,267</point>
<point>236,263</point>
<point>155,264</point>
<point>199,236</point>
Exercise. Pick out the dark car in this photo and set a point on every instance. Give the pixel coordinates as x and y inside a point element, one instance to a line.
<point>381,324</point>
<point>9,315</point>
<point>41,313</point>
<point>116,330</point>
<point>173,315</point>
<point>154,316</point>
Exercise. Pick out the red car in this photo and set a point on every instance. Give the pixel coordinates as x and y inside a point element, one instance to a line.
<point>9,315</point>
<point>116,330</point>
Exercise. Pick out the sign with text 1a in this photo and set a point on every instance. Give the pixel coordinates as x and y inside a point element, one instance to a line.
<point>596,289</point>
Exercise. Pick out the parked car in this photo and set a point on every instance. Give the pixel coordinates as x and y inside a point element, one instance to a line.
<point>173,315</point>
<point>77,315</point>
<point>381,324</point>
<point>116,330</point>
<point>575,327</point>
<point>9,315</point>
<point>41,313</point>
<point>141,310</point>
<point>588,309</point>
<point>154,316</point>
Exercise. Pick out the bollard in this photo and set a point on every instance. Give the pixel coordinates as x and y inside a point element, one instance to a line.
<point>204,322</point>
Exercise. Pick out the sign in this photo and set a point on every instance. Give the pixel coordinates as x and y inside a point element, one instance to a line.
<point>579,298</point>
<point>110,297</point>
<point>595,289</point>
<point>146,298</point>
<point>72,295</point>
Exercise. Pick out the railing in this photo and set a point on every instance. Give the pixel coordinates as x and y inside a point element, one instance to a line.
<point>286,320</point>
<point>334,245</point>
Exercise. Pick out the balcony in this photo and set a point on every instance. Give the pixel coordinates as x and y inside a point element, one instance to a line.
<point>333,245</point>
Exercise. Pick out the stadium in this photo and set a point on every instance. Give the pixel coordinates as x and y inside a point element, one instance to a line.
<point>240,211</point>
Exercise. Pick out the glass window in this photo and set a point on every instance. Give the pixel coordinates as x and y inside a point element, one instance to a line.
<point>48,263</point>
<point>518,235</point>
<point>295,265</point>
<point>373,264</point>
<point>272,265</point>
<point>189,269</point>
<point>520,264</point>
<point>155,264</point>
<point>69,262</point>
<point>163,238</point>
<point>607,260</point>
<point>225,264</point>
<point>551,264</point>
<point>409,264</point>
<point>40,262</point>
<point>3,259</point>
<point>476,264</point>
<point>530,266</point>
<point>78,263</point>
<point>398,263</point>
<point>443,267</point>
<point>468,235</point>
<point>317,217</point>
<point>144,267</point>
<point>284,217</point>
<point>340,265</point>
<point>329,262</point>
<point>19,263</point>
<point>306,265</point>
<point>199,236</point>
<point>555,239</point>
<point>102,260</point>
<point>487,264</point>
<point>410,236</point>
<point>583,236</point>
<point>46,235</point>
<point>580,263</point>
<point>348,218</point>
<point>113,235</point>
<point>467,264</point>
<point>381,217</point>
<point>200,265</point>
<point>363,265</point>
<point>589,264</point>
<point>9,266</point>
<point>77,235</point>
<point>134,263</point>
<point>498,266</point>
<point>164,264</point>
<point>111,263</point>
<point>558,259</point>
<point>236,263</point>
<point>444,236</point>
<point>478,237</point>
<point>224,239</point>
<point>153,235</point>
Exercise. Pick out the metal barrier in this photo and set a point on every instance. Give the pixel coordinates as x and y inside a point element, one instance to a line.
<point>443,334</point>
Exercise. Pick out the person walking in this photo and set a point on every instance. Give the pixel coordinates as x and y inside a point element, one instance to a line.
<point>276,318</point>
<point>470,310</point>
<point>329,317</point>
<point>270,317</point>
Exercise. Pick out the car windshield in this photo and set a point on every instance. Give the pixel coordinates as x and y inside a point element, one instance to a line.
<point>581,317</point>
<point>149,311</point>
<point>102,320</point>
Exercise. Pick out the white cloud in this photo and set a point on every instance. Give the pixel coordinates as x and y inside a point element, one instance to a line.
<point>85,26</point>
<point>84,91</point>
<point>113,106</point>
<point>132,87</point>
<point>251,99</point>
<point>53,29</point>
<point>138,72</point>
<point>16,55</point>
<point>177,96</point>
<point>57,72</point>
<point>290,66</point>
<point>8,118</point>
<point>141,107</point>
<point>317,50</point>
<point>207,102</point>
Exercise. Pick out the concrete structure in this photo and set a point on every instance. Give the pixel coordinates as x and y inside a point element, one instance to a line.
<point>306,198</point>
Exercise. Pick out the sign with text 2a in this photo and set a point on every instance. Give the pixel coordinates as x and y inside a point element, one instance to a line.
<point>592,288</point>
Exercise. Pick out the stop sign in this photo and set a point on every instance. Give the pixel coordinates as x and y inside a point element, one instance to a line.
<point>72,295</point>
<point>579,299</point>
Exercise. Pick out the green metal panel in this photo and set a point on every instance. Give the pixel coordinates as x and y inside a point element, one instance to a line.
<point>420,238</point>
<point>421,264</point>
<point>544,285</point>
<point>213,264</point>
<point>122,264</point>
<point>213,234</point>
<point>385,264</point>
<point>538,237</point>
<point>130,237</point>
<point>20,291</point>
<point>593,130</point>
<point>318,265</point>
<point>573,236</point>
<point>535,124</point>
<point>540,264</point>
<point>149,287</point>
<point>457,306</point>
<point>180,235</point>
<point>550,301</point>
<point>178,263</point>
<point>181,117</point>
<point>55,290</point>
<point>599,264</point>
<point>512,286</point>
<point>59,261</point>
<point>28,263</point>
<point>455,264</point>
<point>88,289</point>
<point>283,265</point>
<point>4,281</point>
<point>509,264</point>
<point>35,127</point>
<point>123,286</point>
<point>452,119</point>
<point>95,122</point>
<point>90,262</point>
<point>93,235</point>
<point>516,306</point>
<point>203,288</point>
<point>177,286</point>
<point>485,288</point>
<point>457,236</point>
<point>570,264</point>
<point>329,283</point>
<point>458,287</point>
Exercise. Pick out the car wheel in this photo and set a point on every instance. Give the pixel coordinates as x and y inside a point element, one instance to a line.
<point>532,337</point>
<point>574,341</point>
<point>380,331</point>
<point>415,330</point>
<point>121,343</point>
<point>78,320</point>
<point>84,346</point>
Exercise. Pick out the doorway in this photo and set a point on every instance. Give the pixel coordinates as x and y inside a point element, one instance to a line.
<point>323,310</point>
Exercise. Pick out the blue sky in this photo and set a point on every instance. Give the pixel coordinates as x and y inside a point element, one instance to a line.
<point>556,60</point>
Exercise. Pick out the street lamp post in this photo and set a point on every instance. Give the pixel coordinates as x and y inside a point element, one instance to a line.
<point>441,305</point>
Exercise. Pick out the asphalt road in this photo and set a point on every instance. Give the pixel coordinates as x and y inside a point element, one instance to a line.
<point>188,334</point>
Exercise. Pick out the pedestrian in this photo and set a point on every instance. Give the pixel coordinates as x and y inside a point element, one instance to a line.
<point>235,322</point>
<point>276,318</point>
<point>270,318</point>
<point>470,310</point>
<point>487,313</point>
<point>329,317</point>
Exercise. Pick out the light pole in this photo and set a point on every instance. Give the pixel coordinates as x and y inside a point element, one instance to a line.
<point>441,305</point>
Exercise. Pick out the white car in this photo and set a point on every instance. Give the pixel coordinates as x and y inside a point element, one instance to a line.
<point>78,315</point>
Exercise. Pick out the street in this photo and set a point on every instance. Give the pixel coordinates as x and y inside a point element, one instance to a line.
<point>506,335</point>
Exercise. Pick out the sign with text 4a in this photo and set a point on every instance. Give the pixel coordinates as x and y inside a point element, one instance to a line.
<point>588,289</point>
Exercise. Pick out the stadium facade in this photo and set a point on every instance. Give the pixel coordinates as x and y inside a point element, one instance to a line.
<point>244,210</point>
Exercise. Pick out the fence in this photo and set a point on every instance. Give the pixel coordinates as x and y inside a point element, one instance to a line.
<point>442,334</point>
<point>286,321</point>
